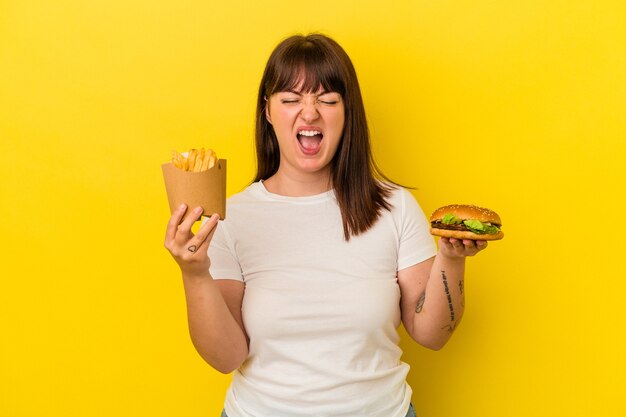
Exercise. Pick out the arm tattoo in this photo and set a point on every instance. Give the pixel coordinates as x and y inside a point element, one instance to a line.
<point>420,303</point>
<point>445,287</point>
<point>461,286</point>
<point>449,327</point>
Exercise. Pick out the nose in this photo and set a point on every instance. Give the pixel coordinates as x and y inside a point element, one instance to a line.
<point>309,110</point>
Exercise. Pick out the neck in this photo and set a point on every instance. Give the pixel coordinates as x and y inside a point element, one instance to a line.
<point>298,184</point>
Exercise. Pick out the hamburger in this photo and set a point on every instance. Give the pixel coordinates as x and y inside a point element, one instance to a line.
<point>463,221</point>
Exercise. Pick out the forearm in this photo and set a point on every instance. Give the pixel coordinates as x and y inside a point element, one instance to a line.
<point>215,333</point>
<point>441,305</point>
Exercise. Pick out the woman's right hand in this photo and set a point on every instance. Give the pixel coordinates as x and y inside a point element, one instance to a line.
<point>187,249</point>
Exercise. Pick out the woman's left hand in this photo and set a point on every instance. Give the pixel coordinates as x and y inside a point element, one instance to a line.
<point>460,248</point>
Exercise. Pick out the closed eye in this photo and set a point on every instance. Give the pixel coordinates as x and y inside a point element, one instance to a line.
<point>329,98</point>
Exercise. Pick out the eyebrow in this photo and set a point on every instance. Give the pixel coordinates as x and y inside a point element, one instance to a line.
<point>299,93</point>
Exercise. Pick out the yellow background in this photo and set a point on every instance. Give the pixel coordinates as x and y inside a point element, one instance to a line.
<point>519,106</point>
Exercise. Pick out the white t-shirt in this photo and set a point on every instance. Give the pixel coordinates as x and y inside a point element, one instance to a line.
<point>321,313</point>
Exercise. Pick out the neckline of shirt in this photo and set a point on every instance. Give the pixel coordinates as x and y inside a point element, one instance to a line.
<point>262,191</point>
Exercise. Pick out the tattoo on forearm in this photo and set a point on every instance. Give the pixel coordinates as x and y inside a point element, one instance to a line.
<point>420,303</point>
<point>461,286</point>
<point>445,287</point>
<point>449,327</point>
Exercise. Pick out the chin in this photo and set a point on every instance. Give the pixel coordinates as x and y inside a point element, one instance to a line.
<point>313,167</point>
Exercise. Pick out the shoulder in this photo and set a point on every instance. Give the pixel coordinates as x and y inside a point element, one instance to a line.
<point>240,204</point>
<point>398,196</point>
<point>403,204</point>
<point>247,195</point>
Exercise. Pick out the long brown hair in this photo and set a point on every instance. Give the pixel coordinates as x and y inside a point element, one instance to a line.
<point>311,62</point>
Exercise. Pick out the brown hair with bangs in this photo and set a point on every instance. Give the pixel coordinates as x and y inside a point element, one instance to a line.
<point>311,62</point>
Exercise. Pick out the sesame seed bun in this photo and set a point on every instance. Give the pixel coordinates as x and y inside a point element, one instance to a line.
<point>465,212</point>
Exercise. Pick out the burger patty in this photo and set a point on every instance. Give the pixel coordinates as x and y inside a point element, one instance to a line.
<point>439,225</point>
<point>462,227</point>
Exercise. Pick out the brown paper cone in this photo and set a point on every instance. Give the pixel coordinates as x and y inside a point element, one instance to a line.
<point>206,189</point>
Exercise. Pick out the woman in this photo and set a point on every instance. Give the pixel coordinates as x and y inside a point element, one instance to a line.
<point>301,289</point>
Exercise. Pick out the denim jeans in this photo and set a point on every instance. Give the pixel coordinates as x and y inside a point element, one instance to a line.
<point>411,412</point>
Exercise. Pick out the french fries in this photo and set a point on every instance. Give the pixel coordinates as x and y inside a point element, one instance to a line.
<point>197,160</point>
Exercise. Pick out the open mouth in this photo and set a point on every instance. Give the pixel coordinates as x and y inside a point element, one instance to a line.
<point>310,141</point>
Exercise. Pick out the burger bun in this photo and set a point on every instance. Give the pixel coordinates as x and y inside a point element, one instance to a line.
<point>465,234</point>
<point>466,212</point>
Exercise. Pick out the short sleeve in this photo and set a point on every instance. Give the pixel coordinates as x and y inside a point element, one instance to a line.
<point>224,262</point>
<point>416,242</point>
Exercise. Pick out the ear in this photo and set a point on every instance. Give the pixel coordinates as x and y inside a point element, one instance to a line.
<point>267,110</point>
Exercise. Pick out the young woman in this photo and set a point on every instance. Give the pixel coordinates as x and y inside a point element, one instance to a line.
<point>301,289</point>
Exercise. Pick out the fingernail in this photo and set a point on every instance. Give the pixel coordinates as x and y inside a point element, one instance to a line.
<point>182,206</point>
<point>198,210</point>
